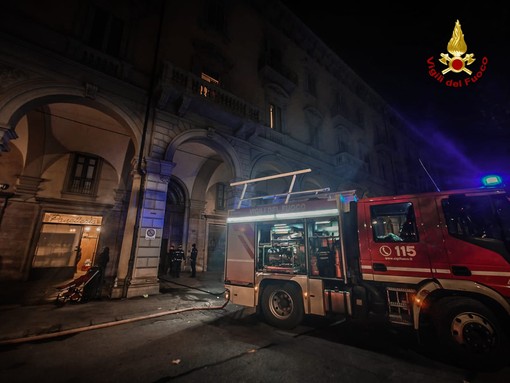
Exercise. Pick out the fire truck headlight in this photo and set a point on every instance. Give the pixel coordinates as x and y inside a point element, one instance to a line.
<point>227,294</point>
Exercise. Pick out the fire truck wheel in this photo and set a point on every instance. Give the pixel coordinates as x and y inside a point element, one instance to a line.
<point>282,305</point>
<point>470,332</point>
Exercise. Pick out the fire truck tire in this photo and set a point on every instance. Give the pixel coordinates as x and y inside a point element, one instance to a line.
<point>282,305</point>
<point>470,333</point>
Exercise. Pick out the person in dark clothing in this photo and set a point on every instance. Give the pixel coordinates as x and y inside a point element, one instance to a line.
<point>102,261</point>
<point>170,260</point>
<point>193,260</point>
<point>104,258</point>
<point>176,264</point>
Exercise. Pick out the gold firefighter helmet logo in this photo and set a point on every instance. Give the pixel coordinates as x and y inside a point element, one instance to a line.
<point>457,47</point>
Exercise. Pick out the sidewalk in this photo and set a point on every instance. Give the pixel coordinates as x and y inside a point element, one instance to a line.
<point>21,323</point>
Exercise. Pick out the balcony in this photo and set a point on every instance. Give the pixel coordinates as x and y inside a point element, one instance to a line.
<point>97,60</point>
<point>176,83</point>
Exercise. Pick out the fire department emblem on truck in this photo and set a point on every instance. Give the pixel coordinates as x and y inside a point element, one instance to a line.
<point>457,61</point>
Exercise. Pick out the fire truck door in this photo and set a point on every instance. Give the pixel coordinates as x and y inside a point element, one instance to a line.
<point>395,243</point>
<point>240,263</point>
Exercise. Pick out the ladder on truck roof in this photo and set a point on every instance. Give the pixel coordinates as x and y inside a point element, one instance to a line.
<point>287,194</point>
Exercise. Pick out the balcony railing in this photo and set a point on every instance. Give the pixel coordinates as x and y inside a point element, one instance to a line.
<point>197,87</point>
<point>97,60</point>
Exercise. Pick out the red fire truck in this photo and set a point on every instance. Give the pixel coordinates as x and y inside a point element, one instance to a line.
<point>438,260</point>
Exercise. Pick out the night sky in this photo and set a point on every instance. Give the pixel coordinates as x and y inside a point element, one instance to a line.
<point>388,45</point>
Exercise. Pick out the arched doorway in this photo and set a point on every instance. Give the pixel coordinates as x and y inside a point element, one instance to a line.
<point>173,228</point>
<point>73,170</point>
<point>204,165</point>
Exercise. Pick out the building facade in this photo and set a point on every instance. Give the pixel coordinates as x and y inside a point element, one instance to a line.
<point>122,124</point>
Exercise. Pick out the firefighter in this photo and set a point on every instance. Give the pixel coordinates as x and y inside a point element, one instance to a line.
<point>177,260</point>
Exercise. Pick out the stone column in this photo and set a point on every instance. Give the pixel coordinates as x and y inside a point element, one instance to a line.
<point>144,277</point>
<point>20,215</point>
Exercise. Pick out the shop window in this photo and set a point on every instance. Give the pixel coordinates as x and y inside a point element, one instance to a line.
<point>83,176</point>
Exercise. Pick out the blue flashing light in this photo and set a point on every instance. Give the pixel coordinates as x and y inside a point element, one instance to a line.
<point>491,180</point>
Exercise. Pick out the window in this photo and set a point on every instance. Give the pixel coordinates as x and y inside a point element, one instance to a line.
<point>83,175</point>
<point>220,196</point>
<point>480,220</point>
<point>275,117</point>
<point>274,57</point>
<point>205,90</point>
<point>343,146</point>
<point>394,223</point>
<point>311,84</point>
<point>324,247</point>
<point>478,217</point>
<point>344,140</point>
<point>106,32</point>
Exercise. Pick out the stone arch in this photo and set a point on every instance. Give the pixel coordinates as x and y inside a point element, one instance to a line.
<point>37,95</point>
<point>208,138</point>
<point>271,164</point>
<point>177,190</point>
<point>201,182</point>
<point>27,113</point>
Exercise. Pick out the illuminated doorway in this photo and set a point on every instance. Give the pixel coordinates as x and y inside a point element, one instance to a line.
<point>66,247</point>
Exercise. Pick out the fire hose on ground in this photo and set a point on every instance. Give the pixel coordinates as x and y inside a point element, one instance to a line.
<point>105,325</point>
